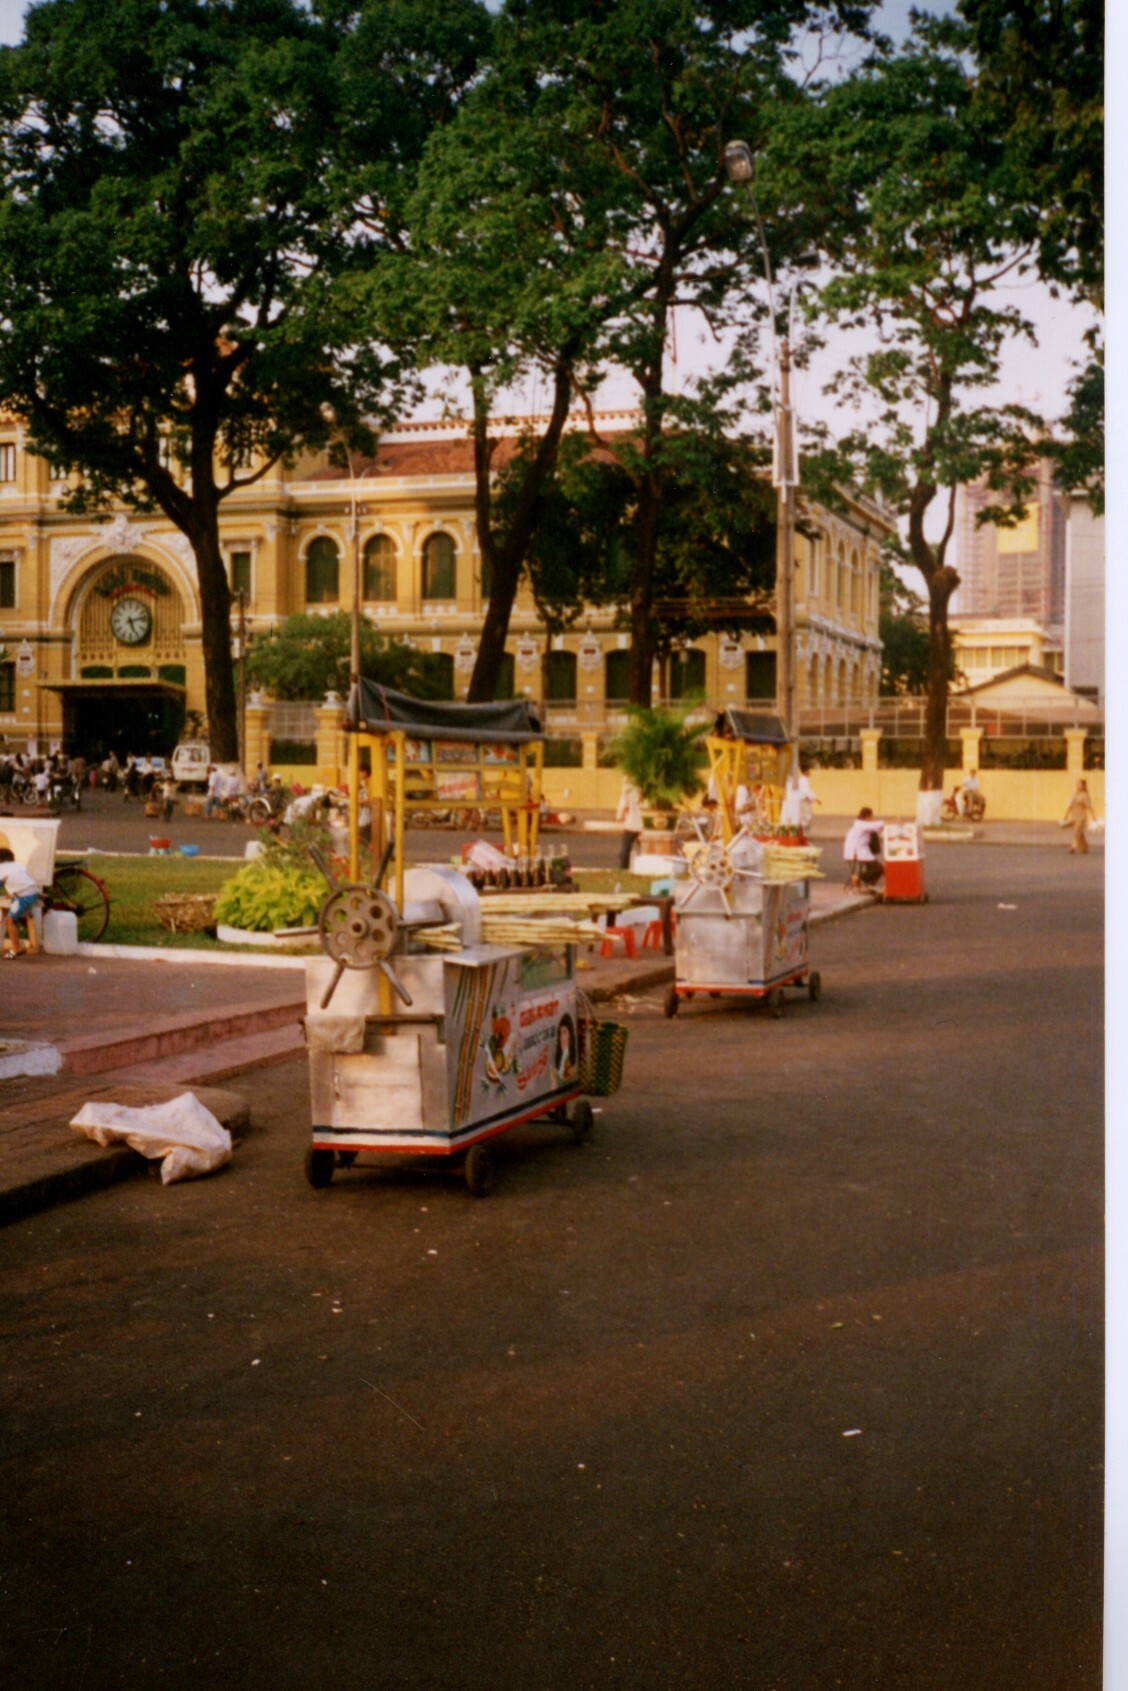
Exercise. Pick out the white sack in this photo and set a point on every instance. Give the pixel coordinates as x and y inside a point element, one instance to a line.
<point>183,1132</point>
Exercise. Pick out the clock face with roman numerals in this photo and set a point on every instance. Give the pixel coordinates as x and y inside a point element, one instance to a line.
<point>131,621</point>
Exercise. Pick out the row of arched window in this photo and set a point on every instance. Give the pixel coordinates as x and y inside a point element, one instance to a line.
<point>380,584</point>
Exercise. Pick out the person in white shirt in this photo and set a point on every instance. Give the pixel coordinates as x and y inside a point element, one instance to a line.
<point>862,851</point>
<point>22,891</point>
<point>215,789</point>
<point>629,814</point>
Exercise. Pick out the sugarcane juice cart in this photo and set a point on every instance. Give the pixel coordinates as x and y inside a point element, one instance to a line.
<point>743,909</point>
<point>416,1051</point>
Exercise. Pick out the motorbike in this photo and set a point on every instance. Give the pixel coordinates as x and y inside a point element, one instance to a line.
<point>965,805</point>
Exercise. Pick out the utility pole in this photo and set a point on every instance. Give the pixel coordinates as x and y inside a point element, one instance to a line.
<point>740,168</point>
<point>241,656</point>
<point>785,553</point>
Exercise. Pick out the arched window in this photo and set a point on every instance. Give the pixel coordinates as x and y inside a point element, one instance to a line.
<point>438,567</point>
<point>813,682</point>
<point>560,678</point>
<point>617,677</point>
<point>760,677</point>
<point>855,584</point>
<point>380,569</point>
<point>442,670</point>
<point>323,572</point>
<point>843,695</point>
<point>505,677</point>
<point>842,592</point>
<point>687,673</point>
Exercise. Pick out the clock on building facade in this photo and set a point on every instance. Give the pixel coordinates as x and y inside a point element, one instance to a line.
<point>131,621</point>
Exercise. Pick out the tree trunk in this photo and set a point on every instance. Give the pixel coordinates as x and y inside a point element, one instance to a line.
<point>506,559</point>
<point>940,590</point>
<point>219,669</point>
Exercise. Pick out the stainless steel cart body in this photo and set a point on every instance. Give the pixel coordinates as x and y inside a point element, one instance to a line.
<point>749,940</point>
<point>491,1039</point>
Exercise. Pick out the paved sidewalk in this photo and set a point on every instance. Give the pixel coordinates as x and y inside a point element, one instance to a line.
<point>141,1031</point>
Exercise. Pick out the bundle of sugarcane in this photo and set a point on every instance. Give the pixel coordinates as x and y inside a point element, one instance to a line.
<point>539,899</point>
<point>512,930</point>
<point>446,938</point>
<point>783,863</point>
<point>558,930</point>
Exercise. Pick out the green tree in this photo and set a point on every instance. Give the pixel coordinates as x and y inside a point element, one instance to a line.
<point>903,632</point>
<point>507,274</point>
<point>714,562</point>
<point>646,93</point>
<point>187,193</point>
<point>309,656</point>
<point>932,219</point>
<point>1041,63</point>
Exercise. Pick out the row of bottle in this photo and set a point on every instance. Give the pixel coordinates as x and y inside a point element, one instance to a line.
<point>549,866</point>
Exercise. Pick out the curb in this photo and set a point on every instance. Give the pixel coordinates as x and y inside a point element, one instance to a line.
<point>90,1168</point>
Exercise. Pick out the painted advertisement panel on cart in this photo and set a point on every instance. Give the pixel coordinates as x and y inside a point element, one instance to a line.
<point>510,1048</point>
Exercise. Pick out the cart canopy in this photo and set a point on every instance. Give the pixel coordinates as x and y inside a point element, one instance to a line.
<point>751,727</point>
<point>512,722</point>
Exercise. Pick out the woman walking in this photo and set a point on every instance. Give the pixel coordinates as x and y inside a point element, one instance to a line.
<point>1078,815</point>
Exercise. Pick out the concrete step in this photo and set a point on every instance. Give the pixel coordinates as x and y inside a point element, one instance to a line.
<point>223,1059</point>
<point>173,1036</point>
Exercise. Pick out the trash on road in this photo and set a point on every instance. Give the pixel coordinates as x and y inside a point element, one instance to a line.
<point>182,1132</point>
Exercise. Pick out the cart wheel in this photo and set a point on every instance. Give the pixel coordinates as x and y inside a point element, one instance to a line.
<point>318,1167</point>
<point>670,1002</point>
<point>583,1120</point>
<point>345,1159</point>
<point>480,1172</point>
<point>714,995</point>
<point>775,1003</point>
<point>814,986</point>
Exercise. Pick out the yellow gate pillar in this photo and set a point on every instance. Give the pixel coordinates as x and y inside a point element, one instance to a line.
<point>330,740</point>
<point>1075,750</point>
<point>257,739</point>
<point>969,743</point>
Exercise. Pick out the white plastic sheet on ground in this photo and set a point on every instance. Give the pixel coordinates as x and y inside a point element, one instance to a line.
<point>183,1133</point>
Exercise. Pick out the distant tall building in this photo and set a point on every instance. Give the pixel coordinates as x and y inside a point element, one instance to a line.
<point>1084,634</point>
<point>1012,572</point>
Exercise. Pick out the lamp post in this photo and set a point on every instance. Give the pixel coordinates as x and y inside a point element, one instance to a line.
<point>354,645</point>
<point>241,658</point>
<point>741,169</point>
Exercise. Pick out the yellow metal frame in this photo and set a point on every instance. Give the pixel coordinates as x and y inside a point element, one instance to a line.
<point>750,763</point>
<point>514,789</point>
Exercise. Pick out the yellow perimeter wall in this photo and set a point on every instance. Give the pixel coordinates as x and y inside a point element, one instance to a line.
<point>1013,795</point>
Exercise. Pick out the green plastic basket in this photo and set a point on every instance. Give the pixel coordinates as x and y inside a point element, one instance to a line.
<point>601,1057</point>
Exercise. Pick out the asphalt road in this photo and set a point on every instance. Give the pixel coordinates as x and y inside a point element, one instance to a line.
<point>790,1379</point>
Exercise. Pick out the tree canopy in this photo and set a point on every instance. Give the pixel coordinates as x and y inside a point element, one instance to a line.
<point>934,217</point>
<point>308,656</point>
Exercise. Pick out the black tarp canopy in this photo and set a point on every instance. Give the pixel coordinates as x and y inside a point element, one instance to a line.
<point>751,727</point>
<point>513,722</point>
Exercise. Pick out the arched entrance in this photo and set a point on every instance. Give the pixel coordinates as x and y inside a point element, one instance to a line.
<point>126,691</point>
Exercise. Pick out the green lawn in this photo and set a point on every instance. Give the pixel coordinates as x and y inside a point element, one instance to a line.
<point>135,883</point>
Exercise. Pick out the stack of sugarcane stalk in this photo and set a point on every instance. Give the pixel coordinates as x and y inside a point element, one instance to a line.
<point>503,929</point>
<point>783,863</point>
<point>544,901</point>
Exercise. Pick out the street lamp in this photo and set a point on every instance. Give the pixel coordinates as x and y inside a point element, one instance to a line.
<point>740,168</point>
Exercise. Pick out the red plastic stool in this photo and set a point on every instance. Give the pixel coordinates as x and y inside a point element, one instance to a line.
<point>652,937</point>
<point>607,949</point>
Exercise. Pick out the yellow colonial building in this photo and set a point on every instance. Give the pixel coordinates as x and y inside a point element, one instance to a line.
<point>100,618</point>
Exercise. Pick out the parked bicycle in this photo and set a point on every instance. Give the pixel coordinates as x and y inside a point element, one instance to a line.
<point>77,890</point>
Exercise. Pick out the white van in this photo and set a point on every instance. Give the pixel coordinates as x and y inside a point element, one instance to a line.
<point>190,763</point>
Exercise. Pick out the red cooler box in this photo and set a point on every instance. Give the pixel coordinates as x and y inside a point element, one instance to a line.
<point>904,864</point>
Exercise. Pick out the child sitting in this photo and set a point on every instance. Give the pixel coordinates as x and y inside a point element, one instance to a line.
<point>23,894</point>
